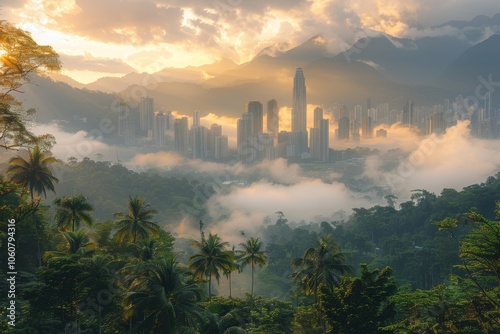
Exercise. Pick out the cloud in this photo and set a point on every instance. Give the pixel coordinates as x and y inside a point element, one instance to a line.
<point>452,160</point>
<point>236,29</point>
<point>157,160</point>
<point>87,62</point>
<point>245,208</point>
<point>80,145</point>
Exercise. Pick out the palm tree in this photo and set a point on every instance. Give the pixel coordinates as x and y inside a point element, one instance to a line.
<point>163,296</point>
<point>136,222</point>
<point>97,275</point>
<point>322,264</point>
<point>211,259</point>
<point>229,270</point>
<point>75,243</point>
<point>35,175</point>
<point>252,254</point>
<point>72,211</point>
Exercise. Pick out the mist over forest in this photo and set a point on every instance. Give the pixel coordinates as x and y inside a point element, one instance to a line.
<point>240,167</point>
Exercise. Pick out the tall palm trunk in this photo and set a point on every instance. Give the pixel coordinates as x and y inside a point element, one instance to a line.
<point>39,253</point>
<point>230,295</point>
<point>210,288</point>
<point>252,279</point>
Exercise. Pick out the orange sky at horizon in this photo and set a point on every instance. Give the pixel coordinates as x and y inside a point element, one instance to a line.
<point>117,37</point>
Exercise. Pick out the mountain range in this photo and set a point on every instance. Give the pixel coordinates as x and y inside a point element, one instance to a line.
<point>382,67</point>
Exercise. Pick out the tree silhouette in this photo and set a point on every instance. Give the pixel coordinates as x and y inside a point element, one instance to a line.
<point>252,254</point>
<point>72,211</point>
<point>35,175</point>
<point>211,259</point>
<point>322,264</point>
<point>163,297</point>
<point>136,222</point>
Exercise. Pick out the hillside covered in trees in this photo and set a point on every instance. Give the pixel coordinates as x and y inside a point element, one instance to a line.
<point>423,266</point>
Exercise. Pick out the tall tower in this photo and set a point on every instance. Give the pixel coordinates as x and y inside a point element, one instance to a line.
<point>299,114</point>
<point>273,118</point>
<point>255,110</point>
<point>244,138</point>
<point>181,136</point>
<point>196,118</point>
<point>214,132</point>
<point>146,114</point>
<point>318,116</point>
<point>299,111</point>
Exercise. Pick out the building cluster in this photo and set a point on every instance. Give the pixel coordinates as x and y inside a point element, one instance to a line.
<point>256,143</point>
<point>163,131</point>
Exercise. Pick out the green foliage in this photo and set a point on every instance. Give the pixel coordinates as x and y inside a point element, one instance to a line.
<point>162,297</point>
<point>322,264</point>
<point>108,186</point>
<point>136,224</point>
<point>212,259</point>
<point>34,172</point>
<point>71,211</point>
<point>306,320</point>
<point>253,314</point>
<point>20,56</point>
<point>252,254</point>
<point>360,305</point>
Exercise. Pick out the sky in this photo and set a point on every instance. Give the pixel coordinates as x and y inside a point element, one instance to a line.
<point>116,37</point>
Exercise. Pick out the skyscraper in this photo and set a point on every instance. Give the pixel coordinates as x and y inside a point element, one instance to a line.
<point>221,147</point>
<point>273,118</point>
<point>200,141</point>
<point>407,115</point>
<point>181,136</point>
<point>146,115</point>
<point>196,118</point>
<point>160,129</point>
<point>324,140</point>
<point>214,132</point>
<point>244,138</point>
<point>255,109</point>
<point>318,116</point>
<point>344,128</point>
<point>126,124</point>
<point>299,113</point>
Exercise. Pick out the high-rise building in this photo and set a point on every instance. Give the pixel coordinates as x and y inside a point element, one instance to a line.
<point>366,124</point>
<point>200,142</point>
<point>196,118</point>
<point>273,118</point>
<point>160,129</point>
<point>146,115</point>
<point>214,132</point>
<point>221,147</point>
<point>181,136</point>
<point>265,146</point>
<point>318,116</point>
<point>299,113</point>
<point>246,153</point>
<point>324,140</point>
<point>407,115</point>
<point>283,143</point>
<point>314,145</point>
<point>344,129</point>
<point>255,109</point>
<point>126,124</point>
